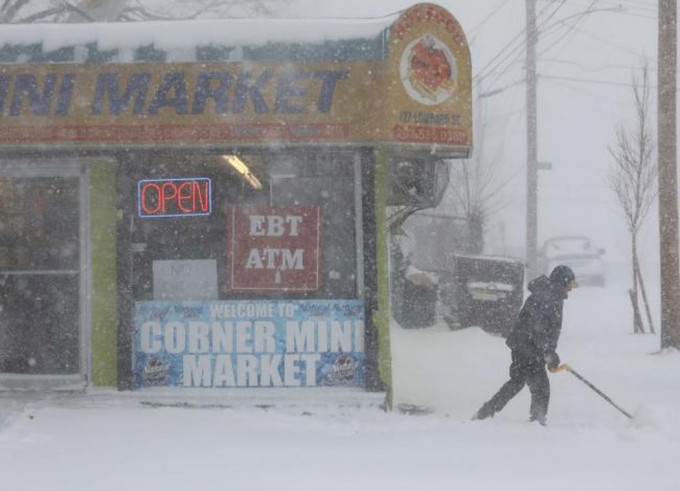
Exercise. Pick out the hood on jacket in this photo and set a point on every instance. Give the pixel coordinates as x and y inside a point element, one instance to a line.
<point>556,285</point>
<point>540,285</point>
<point>562,275</point>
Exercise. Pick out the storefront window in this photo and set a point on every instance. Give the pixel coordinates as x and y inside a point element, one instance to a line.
<point>264,225</point>
<point>39,275</point>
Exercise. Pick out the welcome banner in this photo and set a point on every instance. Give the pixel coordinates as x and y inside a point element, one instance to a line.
<point>249,343</point>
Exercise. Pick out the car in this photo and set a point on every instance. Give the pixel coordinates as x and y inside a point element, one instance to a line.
<point>579,253</point>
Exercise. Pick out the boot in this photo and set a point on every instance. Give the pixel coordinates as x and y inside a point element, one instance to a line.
<point>484,412</point>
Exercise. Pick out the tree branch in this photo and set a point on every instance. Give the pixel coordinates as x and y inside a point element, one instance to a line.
<point>10,11</point>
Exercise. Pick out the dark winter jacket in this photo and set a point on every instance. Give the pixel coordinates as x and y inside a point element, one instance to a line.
<point>538,327</point>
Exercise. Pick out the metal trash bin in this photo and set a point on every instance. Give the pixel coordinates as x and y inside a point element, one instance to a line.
<point>419,300</point>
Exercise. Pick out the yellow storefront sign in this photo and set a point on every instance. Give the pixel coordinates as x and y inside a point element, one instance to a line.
<point>418,94</point>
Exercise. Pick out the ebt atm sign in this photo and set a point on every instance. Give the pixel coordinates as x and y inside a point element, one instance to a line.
<point>274,248</point>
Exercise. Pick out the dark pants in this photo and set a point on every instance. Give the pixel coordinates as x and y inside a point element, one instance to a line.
<point>523,370</point>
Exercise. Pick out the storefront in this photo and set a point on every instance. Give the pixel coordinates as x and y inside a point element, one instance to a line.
<point>202,204</point>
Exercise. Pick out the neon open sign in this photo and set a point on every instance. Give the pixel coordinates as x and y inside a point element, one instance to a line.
<point>174,197</point>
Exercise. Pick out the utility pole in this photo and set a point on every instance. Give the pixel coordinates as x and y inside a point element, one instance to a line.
<point>668,194</point>
<point>532,142</point>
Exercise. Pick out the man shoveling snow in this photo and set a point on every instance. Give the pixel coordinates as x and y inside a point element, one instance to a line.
<point>533,344</point>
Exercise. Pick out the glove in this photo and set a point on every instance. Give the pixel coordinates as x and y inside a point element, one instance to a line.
<point>552,360</point>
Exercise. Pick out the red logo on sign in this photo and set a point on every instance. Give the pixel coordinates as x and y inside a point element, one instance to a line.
<point>274,248</point>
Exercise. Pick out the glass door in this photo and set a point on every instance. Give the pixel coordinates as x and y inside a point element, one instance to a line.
<point>41,276</point>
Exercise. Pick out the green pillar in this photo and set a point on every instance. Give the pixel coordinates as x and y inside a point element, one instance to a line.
<point>104,311</point>
<point>382,315</point>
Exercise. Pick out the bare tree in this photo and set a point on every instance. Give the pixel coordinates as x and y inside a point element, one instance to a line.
<point>26,11</point>
<point>475,187</point>
<point>633,178</point>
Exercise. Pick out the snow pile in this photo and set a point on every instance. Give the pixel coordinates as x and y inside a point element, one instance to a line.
<point>338,440</point>
<point>163,34</point>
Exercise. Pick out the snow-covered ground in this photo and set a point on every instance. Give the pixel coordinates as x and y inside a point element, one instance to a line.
<point>341,440</point>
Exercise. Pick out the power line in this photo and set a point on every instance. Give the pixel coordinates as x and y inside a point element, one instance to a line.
<point>584,80</point>
<point>570,30</point>
<point>579,18</point>
<point>589,69</point>
<point>598,98</point>
<point>591,81</point>
<point>628,4</point>
<point>492,92</point>
<point>609,43</point>
<point>494,11</point>
<point>513,46</point>
<point>519,50</point>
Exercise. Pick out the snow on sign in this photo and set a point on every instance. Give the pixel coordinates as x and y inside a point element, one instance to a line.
<point>274,248</point>
<point>249,343</point>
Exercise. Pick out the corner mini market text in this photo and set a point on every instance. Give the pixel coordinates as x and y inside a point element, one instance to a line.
<point>249,344</point>
<point>147,93</point>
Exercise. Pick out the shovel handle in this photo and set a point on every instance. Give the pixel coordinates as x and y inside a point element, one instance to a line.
<point>567,368</point>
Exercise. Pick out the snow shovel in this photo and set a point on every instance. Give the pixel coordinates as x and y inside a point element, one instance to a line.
<point>585,381</point>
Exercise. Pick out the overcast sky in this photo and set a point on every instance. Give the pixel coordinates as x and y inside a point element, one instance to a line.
<point>584,65</point>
